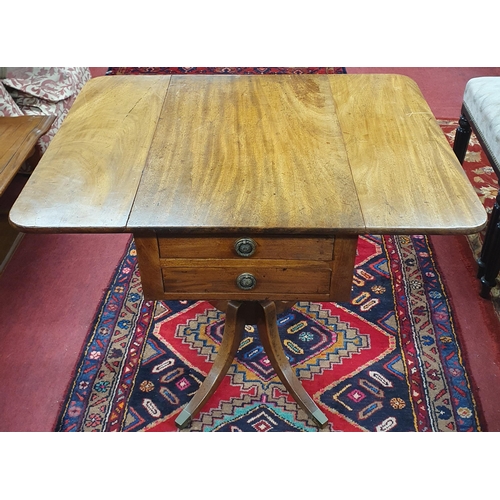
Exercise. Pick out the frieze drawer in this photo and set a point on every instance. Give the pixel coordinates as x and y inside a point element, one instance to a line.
<point>232,247</point>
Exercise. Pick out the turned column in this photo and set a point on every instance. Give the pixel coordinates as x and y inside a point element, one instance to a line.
<point>462,137</point>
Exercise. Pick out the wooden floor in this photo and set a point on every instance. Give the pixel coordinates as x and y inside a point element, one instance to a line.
<point>51,288</point>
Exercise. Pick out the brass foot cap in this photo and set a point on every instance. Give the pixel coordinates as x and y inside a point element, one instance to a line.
<point>183,419</point>
<point>319,417</point>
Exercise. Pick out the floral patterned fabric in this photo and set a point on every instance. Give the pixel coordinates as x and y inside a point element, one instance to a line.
<point>45,91</point>
<point>8,106</point>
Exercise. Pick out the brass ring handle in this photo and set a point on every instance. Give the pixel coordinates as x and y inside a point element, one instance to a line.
<point>246,281</point>
<point>245,247</point>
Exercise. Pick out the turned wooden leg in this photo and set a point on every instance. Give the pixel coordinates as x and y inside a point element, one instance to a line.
<point>269,336</point>
<point>462,136</point>
<point>489,261</point>
<point>231,339</point>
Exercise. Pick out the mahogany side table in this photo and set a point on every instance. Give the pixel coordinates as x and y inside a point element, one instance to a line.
<point>249,191</point>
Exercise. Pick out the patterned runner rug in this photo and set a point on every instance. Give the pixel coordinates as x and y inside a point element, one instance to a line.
<point>222,71</point>
<point>389,361</point>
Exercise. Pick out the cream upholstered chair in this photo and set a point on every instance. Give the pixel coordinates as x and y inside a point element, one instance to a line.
<point>481,114</point>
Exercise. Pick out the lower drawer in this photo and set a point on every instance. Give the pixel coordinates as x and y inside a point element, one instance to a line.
<point>267,280</point>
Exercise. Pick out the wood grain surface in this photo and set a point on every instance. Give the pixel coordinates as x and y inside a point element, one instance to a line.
<point>248,152</point>
<point>205,268</point>
<point>408,180</point>
<point>344,257</point>
<point>88,177</point>
<point>18,136</point>
<point>266,248</point>
<point>276,154</point>
<point>275,279</point>
<point>148,259</point>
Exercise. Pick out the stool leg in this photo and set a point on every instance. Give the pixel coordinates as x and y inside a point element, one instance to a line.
<point>489,260</point>
<point>269,336</point>
<point>231,339</point>
<point>462,136</point>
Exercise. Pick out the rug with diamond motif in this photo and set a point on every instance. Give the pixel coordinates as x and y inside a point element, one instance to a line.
<point>388,361</point>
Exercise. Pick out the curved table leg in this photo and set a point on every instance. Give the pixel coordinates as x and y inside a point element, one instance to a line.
<point>269,336</point>
<point>231,339</point>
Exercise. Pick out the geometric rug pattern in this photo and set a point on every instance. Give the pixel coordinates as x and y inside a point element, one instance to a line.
<point>223,71</point>
<point>388,361</point>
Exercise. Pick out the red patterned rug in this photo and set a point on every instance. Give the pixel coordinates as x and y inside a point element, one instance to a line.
<point>389,361</point>
<point>222,71</point>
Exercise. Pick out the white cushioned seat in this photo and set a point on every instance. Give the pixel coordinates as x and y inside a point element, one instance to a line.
<point>482,102</point>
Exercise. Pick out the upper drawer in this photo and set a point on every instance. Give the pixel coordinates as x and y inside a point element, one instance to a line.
<point>265,247</point>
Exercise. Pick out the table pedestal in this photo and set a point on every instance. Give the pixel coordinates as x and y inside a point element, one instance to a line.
<point>239,314</point>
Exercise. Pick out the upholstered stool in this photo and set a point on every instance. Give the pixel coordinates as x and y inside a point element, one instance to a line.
<point>481,114</point>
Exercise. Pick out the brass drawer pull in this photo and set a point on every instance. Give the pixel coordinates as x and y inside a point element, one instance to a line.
<point>246,281</point>
<point>245,247</point>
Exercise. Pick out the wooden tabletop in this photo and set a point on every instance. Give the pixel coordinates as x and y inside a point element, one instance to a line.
<point>265,153</point>
<point>18,135</point>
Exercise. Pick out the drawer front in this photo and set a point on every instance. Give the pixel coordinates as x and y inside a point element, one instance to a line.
<point>265,247</point>
<point>207,276</point>
<point>259,280</point>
